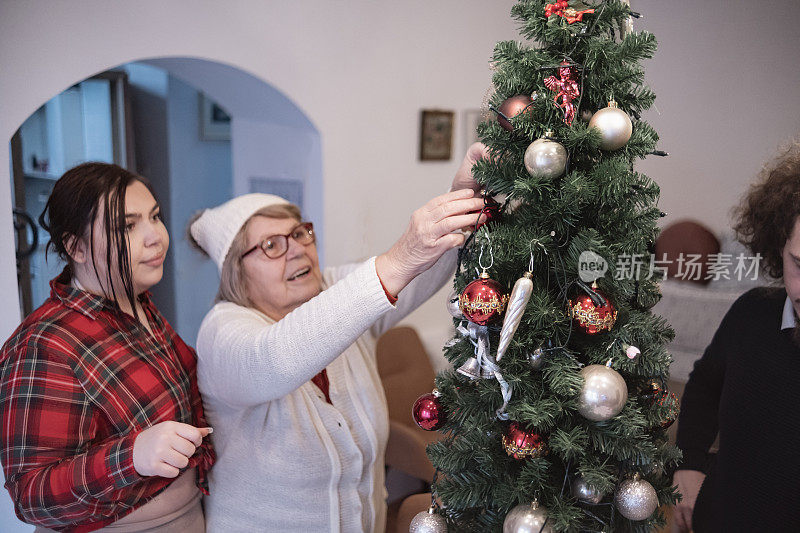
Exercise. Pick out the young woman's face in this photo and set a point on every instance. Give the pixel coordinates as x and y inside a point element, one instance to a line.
<point>278,286</point>
<point>147,238</point>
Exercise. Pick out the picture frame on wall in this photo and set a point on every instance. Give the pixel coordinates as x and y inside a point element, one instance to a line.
<point>436,135</point>
<point>215,122</point>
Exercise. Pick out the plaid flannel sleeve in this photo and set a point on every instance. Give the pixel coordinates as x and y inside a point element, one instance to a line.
<point>55,473</point>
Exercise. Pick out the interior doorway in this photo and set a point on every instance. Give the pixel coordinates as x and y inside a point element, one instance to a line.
<point>200,131</point>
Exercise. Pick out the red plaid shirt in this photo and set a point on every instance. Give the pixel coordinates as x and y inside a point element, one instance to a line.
<point>79,380</point>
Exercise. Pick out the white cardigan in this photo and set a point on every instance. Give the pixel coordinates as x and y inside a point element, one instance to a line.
<point>286,459</point>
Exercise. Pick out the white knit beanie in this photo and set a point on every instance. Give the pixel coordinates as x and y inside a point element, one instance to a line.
<point>215,229</point>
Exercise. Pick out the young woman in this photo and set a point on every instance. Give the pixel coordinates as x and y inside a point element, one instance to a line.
<point>102,421</point>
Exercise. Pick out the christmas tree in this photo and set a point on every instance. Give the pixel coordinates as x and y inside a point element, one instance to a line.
<point>555,414</point>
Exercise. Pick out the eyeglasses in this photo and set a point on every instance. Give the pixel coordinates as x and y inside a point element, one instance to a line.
<point>276,246</point>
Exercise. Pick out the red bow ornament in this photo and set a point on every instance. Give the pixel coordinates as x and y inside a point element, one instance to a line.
<point>566,87</point>
<point>562,9</point>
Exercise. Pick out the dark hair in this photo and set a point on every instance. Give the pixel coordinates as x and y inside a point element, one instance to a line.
<point>71,211</point>
<point>767,214</point>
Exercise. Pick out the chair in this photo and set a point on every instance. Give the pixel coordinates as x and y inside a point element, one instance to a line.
<point>406,372</point>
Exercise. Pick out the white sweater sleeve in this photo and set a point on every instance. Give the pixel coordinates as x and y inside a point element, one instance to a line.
<point>418,291</point>
<point>244,360</point>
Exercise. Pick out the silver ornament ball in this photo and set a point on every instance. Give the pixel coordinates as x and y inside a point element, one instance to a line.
<point>536,358</point>
<point>636,499</point>
<point>546,158</point>
<point>453,307</point>
<point>527,519</point>
<point>603,394</point>
<point>585,492</point>
<point>428,522</point>
<point>615,126</point>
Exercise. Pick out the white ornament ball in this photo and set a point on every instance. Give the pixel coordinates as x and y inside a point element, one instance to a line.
<point>615,126</point>
<point>527,519</point>
<point>545,157</point>
<point>603,394</point>
<point>428,522</point>
<point>585,492</point>
<point>636,499</point>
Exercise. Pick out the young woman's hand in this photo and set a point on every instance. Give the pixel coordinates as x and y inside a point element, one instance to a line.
<point>165,448</point>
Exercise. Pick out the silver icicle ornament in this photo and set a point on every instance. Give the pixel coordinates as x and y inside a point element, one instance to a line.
<point>517,302</point>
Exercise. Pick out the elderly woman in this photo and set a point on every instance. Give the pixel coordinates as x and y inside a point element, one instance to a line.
<point>286,359</point>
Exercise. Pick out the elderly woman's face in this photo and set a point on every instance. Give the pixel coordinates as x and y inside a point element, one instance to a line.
<point>278,286</point>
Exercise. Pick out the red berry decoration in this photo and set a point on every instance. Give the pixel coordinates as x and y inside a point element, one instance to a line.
<point>512,107</point>
<point>520,442</point>
<point>483,301</point>
<point>428,412</point>
<point>591,318</point>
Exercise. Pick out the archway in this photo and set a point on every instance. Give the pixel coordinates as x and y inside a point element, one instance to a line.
<point>272,147</point>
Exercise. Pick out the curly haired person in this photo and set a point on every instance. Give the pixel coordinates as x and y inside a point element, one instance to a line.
<point>745,384</point>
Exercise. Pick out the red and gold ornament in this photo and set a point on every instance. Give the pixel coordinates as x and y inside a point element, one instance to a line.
<point>655,394</point>
<point>483,300</point>
<point>591,318</point>
<point>520,442</point>
<point>428,412</point>
<point>562,9</point>
<point>511,107</point>
<point>566,89</point>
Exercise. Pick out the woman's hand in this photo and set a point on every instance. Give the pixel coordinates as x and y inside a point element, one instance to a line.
<point>430,234</point>
<point>688,483</point>
<point>463,178</point>
<point>165,448</point>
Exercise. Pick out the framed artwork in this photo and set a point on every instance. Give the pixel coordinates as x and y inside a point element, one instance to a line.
<point>436,135</point>
<point>215,123</point>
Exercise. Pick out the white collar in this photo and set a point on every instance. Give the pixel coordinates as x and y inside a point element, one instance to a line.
<point>789,321</point>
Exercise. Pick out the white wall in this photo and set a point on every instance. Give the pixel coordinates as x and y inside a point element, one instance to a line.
<point>726,76</point>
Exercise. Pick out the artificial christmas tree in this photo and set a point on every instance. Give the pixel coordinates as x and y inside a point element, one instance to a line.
<point>559,416</point>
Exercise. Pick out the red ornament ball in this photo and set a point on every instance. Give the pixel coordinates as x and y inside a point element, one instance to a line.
<point>483,301</point>
<point>512,107</point>
<point>520,442</point>
<point>428,412</point>
<point>591,318</point>
<point>492,210</point>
